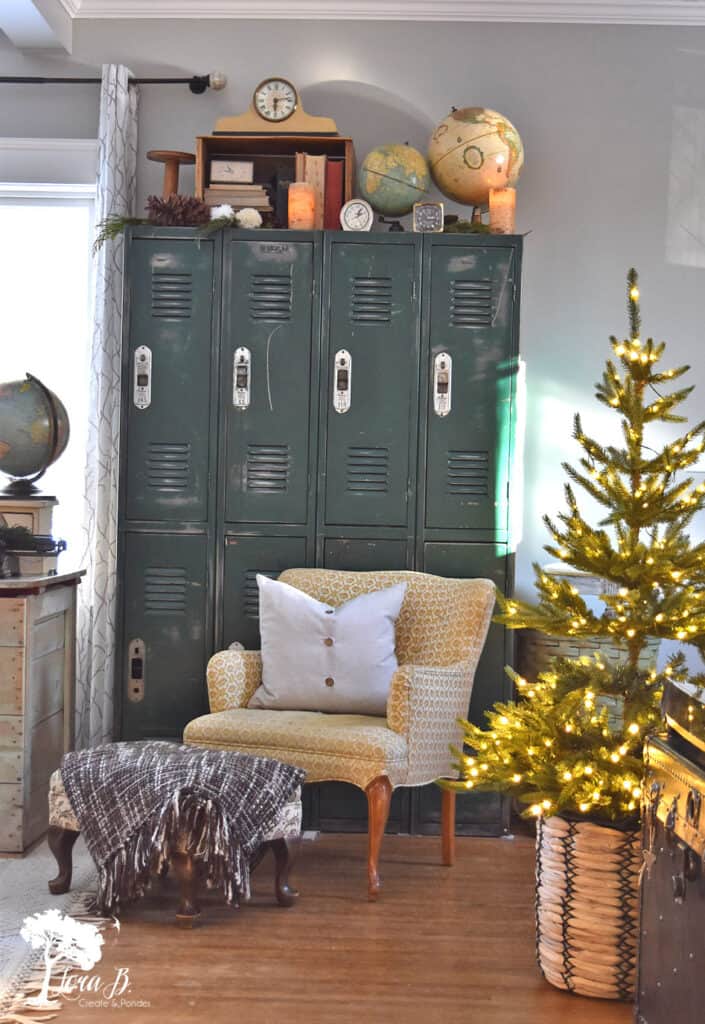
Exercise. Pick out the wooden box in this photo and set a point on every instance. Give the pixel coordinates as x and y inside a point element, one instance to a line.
<point>271,146</point>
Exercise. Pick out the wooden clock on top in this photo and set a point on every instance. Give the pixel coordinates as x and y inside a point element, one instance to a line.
<point>275,107</point>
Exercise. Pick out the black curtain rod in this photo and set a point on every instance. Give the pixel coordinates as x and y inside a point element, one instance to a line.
<point>197,83</point>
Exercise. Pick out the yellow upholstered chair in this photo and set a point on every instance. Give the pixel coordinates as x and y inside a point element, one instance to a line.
<point>440,634</point>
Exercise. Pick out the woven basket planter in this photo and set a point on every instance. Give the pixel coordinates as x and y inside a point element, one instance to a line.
<point>587,906</point>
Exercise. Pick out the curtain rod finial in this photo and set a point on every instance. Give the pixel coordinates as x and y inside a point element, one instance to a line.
<point>215,80</point>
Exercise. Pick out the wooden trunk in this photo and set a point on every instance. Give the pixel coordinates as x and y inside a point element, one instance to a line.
<point>671,982</point>
<point>37,656</point>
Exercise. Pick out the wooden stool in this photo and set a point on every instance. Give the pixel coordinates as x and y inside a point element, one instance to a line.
<point>172,160</point>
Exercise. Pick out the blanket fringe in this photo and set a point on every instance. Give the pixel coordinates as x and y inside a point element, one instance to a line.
<point>185,824</point>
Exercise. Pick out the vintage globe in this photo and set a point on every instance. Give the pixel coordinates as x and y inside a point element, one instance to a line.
<point>34,431</point>
<point>392,178</point>
<point>473,150</point>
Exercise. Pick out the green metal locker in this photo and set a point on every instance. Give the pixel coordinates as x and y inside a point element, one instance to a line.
<point>167,378</point>
<point>468,382</point>
<point>369,381</point>
<point>244,558</point>
<point>165,632</point>
<point>338,399</point>
<point>268,360</point>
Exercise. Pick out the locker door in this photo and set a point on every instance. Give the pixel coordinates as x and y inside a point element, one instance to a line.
<point>267,332</point>
<point>164,636</point>
<point>478,813</point>
<point>244,558</point>
<point>370,447</point>
<point>170,298</point>
<point>471,329</point>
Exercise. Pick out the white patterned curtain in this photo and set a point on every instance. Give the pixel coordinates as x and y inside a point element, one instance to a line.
<point>116,189</point>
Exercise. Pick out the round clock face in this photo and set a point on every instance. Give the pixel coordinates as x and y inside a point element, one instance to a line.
<point>428,217</point>
<point>275,99</point>
<point>356,215</point>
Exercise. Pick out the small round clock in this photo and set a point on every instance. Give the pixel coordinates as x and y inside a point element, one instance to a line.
<point>275,99</point>
<point>356,215</point>
<point>428,216</point>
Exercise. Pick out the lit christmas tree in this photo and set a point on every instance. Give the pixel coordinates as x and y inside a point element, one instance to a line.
<point>573,740</point>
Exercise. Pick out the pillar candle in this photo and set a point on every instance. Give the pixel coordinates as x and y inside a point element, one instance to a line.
<point>302,206</point>
<point>502,208</point>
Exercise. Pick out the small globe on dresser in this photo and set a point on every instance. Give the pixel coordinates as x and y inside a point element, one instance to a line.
<point>392,178</point>
<point>473,150</point>
<point>34,431</point>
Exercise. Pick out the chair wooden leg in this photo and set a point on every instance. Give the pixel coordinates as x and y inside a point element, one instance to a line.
<point>61,842</point>
<point>379,797</point>
<point>186,873</point>
<point>448,827</point>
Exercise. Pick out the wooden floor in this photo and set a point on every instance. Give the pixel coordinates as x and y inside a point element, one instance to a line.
<point>442,945</point>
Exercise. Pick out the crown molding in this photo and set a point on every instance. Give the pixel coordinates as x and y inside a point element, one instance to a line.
<point>599,12</point>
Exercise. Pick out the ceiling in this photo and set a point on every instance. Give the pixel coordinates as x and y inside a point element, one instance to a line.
<point>642,12</point>
<point>48,24</point>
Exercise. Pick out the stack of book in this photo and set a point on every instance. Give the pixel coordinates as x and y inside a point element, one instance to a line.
<point>238,196</point>
<point>326,174</point>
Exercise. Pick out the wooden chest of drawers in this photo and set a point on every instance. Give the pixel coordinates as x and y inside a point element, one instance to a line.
<point>37,679</point>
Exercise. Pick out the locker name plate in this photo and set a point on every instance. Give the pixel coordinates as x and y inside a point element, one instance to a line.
<point>342,380</point>
<point>242,377</point>
<point>142,384</point>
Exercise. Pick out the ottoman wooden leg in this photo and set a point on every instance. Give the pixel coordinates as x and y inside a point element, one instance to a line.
<point>285,852</point>
<point>187,875</point>
<point>61,842</point>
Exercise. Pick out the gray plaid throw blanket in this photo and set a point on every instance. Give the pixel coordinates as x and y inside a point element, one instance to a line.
<point>133,802</point>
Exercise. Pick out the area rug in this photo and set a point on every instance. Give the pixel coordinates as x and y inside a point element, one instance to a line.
<point>23,891</point>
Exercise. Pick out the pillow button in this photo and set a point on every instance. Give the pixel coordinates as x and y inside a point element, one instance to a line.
<point>330,681</point>
<point>328,641</point>
<point>329,611</point>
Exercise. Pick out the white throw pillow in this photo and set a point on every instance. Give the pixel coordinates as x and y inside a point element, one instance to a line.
<point>318,658</point>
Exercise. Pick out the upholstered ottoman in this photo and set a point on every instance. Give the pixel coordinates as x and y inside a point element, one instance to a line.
<point>282,839</point>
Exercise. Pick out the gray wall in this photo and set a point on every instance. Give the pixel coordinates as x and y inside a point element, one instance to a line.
<point>613,122</point>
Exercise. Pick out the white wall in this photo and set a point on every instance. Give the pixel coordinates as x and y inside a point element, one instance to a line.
<point>613,122</point>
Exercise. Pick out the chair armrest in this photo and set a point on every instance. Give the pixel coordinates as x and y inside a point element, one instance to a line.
<point>233,676</point>
<point>424,704</point>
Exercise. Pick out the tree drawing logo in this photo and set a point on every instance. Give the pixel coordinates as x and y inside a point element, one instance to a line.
<point>64,941</point>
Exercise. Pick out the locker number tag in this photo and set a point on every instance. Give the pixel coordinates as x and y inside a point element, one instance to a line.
<point>242,377</point>
<point>142,385</point>
<point>342,380</point>
<point>442,383</point>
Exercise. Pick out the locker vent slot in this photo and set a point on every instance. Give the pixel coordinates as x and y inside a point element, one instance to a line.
<point>171,295</point>
<point>371,300</point>
<point>468,473</point>
<point>367,470</point>
<point>168,465</point>
<point>471,304</point>
<point>251,591</point>
<point>267,467</point>
<point>165,591</point>
<point>270,297</point>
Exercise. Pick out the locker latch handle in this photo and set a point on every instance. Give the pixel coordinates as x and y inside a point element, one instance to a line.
<point>136,656</point>
<point>342,380</point>
<point>242,377</point>
<point>442,383</point>
<point>142,377</point>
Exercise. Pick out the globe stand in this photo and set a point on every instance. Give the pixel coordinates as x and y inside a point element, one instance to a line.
<point>394,225</point>
<point>23,487</point>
